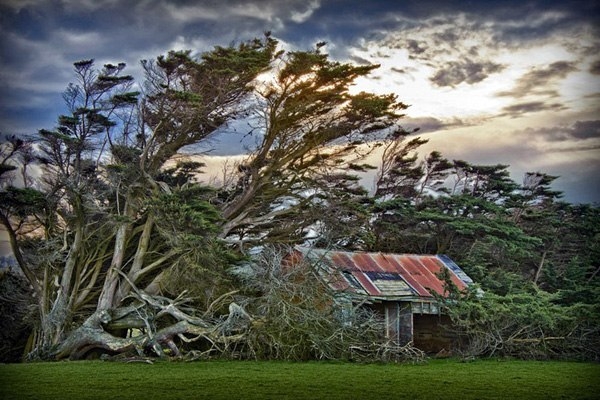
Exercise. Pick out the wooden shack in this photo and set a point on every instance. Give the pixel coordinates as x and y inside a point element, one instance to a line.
<point>400,287</point>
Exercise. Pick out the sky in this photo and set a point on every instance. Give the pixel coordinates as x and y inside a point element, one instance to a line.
<point>509,82</point>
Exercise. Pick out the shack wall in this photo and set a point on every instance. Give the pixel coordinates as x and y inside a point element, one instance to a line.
<point>431,332</point>
<point>428,332</point>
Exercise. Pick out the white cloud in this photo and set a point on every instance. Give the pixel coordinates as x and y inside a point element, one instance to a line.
<point>272,12</point>
<point>88,5</point>
<point>302,16</point>
<point>185,14</point>
<point>78,40</point>
<point>465,117</point>
<point>454,47</point>
<point>184,43</point>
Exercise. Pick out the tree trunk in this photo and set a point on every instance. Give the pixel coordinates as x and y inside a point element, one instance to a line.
<point>108,294</point>
<point>91,335</point>
<point>53,325</point>
<point>94,334</point>
<point>138,259</point>
<point>538,271</point>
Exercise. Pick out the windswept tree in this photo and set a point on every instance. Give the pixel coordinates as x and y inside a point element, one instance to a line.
<point>451,207</point>
<point>122,229</point>
<point>403,184</point>
<point>312,128</point>
<point>20,202</point>
<point>400,172</point>
<point>112,221</point>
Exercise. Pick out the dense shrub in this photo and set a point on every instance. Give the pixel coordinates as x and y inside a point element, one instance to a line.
<point>297,317</point>
<point>15,323</point>
<point>525,325</point>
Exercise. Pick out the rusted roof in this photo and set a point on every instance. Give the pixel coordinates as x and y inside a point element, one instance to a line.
<point>383,275</point>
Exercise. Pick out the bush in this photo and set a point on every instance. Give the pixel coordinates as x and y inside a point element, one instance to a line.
<point>525,325</point>
<point>15,324</point>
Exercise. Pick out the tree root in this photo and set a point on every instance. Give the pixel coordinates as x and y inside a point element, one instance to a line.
<point>151,317</point>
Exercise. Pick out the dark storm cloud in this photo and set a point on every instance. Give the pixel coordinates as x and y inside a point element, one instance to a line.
<point>431,124</point>
<point>40,40</point>
<point>447,36</point>
<point>122,27</point>
<point>455,73</point>
<point>540,80</point>
<point>360,60</point>
<point>450,45</point>
<point>439,41</point>
<point>586,129</point>
<point>415,48</point>
<point>576,132</point>
<point>519,109</point>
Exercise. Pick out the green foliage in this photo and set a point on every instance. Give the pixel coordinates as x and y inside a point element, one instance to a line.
<point>17,317</point>
<point>313,126</point>
<point>183,172</point>
<point>241,63</point>
<point>187,226</point>
<point>525,325</point>
<point>368,106</point>
<point>186,211</point>
<point>575,283</point>
<point>514,241</point>
<point>122,99</point>
<point>400,173</point>
<point>189,98</point>
<point>571,241</point>
<point>22,202</point>
<point>114,213</point>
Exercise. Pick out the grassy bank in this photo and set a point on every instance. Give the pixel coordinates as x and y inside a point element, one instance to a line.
<point>437,379</point>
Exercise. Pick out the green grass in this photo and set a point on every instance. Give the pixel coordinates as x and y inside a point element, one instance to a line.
<point>437,379</point>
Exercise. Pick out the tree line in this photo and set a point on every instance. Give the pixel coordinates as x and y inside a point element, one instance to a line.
<point>126,251</point>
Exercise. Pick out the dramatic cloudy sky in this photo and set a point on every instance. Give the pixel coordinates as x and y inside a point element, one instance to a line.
<point>513,82</point>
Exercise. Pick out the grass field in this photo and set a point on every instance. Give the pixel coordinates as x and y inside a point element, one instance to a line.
<point>436,379</point>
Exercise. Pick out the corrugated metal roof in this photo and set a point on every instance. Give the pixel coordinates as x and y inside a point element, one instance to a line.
<point>383,275</point>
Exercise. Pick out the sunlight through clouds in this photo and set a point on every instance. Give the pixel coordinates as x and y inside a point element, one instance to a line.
<point>490,82</point>
<point>482,97</point>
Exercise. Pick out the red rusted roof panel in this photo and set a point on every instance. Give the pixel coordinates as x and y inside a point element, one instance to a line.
<point>341,259</point>
<point>457,281</point>
<point>365,262</point>
<point>431,269</point>
<point>419,272</point>
<point>383,261</point>
<point>415,270</point>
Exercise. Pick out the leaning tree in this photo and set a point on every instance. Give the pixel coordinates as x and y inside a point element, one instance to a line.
<point>108,228</point>
<point>114,230</point>
<point>314,135</point>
